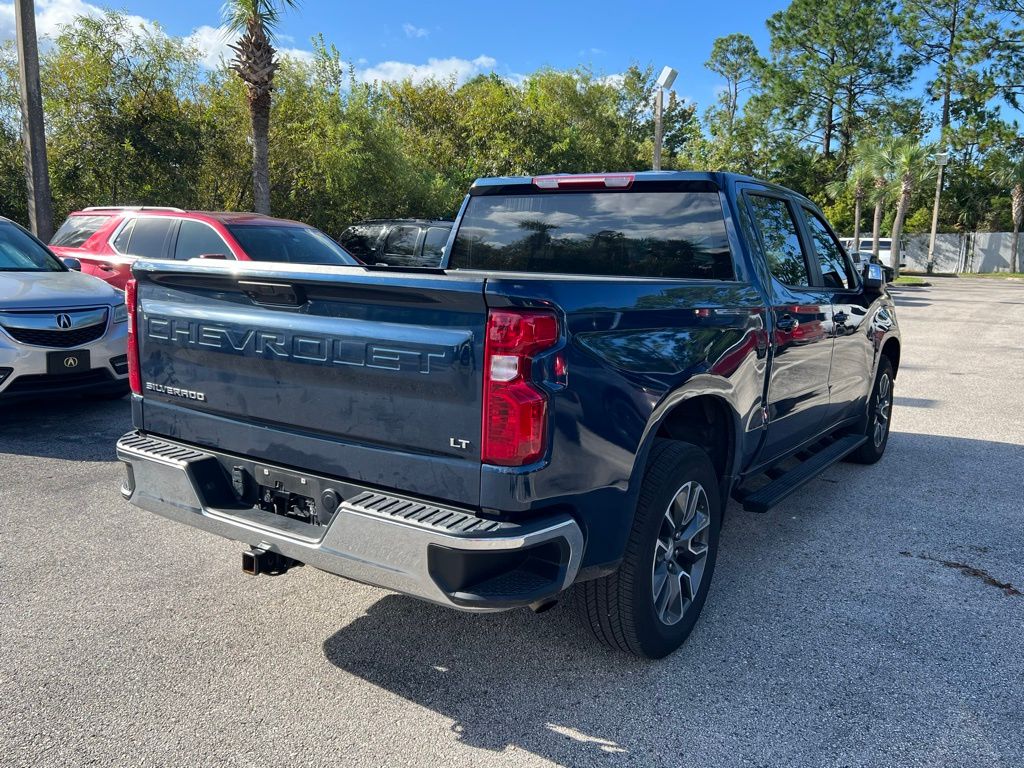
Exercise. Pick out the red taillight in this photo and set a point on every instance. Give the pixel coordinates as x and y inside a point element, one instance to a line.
<point>131,302</point>
<point>515,411</point>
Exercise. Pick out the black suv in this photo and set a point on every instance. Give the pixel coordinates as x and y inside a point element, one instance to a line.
<point>398,242</point>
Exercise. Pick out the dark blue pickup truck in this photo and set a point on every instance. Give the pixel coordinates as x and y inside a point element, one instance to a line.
<point>599,364</point>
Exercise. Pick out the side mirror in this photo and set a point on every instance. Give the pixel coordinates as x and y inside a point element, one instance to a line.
<point>874,278</point>
<point>72,263</point>
<point>213,256</point>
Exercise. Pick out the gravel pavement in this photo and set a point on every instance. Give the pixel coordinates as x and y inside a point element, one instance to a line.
<point>841,629</point>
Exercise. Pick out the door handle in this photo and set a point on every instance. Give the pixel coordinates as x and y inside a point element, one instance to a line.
<point>840,317</point>
<point>786,323</point>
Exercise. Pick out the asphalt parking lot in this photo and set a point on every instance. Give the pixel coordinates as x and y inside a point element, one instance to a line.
<point>861,623</point>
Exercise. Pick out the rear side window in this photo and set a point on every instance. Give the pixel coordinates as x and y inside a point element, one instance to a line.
<point>781,240</point>
<point>637,234</point>
<point>834,269</point>
<point>120,242</point>
<point>433,243</point>
<point>77,229</point>
<point>145,237</point>
<point>401,242</point>
<point>361,240</point>
<point>196,239</point>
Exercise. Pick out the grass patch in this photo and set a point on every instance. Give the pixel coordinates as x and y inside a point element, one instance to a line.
<point>995,275</point>
<point>910,280</point>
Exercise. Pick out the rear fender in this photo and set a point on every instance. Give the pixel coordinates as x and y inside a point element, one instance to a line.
<point>699,386</point>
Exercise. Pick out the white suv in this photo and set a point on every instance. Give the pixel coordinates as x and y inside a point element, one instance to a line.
<point>61,332</point>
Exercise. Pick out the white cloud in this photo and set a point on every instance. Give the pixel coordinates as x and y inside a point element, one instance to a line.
<point>411,30</point>
<point>212,43</point>
<point>52,14</point>
<point>615,81</point>
<point>436,69</point>
<point>301,54</point>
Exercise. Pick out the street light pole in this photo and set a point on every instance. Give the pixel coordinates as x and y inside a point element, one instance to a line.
<point>37,174</point>
<point>665,80</point>
<point>941,160</point>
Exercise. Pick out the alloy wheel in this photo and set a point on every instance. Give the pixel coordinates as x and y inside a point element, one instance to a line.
<point>883,408</point>
<point>680,553</point>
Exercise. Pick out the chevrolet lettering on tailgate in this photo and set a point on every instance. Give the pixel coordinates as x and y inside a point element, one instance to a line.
<point>308,348</point>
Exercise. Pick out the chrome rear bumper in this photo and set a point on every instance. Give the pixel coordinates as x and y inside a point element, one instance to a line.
<point>441,554</point>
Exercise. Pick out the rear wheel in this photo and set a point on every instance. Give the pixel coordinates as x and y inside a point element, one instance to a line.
<point>879,416</point>
<point>649,606</point>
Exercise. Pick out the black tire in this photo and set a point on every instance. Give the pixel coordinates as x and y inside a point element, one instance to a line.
<point>620,608</point>
<point>872,450</point>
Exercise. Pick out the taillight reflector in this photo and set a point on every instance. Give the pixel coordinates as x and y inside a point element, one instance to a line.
<point>131,301</point>
<point>515,412</point>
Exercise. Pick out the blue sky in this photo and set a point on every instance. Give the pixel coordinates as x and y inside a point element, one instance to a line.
<point>400,37</point>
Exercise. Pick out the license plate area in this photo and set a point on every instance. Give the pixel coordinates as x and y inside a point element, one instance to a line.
<point>282,492</point>
<point>65,362</point>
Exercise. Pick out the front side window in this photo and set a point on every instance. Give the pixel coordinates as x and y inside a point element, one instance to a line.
<point>834,269</point>
<point>20,253</point>
<point>196,239</point>
<point>781,240</point>
<point>672,234</point>
<point>77,229</point>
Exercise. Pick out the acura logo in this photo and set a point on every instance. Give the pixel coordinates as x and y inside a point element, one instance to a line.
<point>63,321</point>
<point>69,361</point>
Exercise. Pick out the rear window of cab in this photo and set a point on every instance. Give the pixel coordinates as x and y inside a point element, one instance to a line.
<point>670,234</point>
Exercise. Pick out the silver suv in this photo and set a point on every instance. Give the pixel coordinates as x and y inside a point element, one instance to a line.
<point>61,332</point>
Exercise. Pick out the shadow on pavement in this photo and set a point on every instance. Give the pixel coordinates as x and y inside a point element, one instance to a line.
<point>504,679</point>
<point>915,402</point>
<point>903,300</point>
<point>78,429</point>
<point>818,621</point>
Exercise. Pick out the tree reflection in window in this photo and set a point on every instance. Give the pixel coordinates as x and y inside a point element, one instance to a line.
<point>781,241</point>
<point>641,234</point>
<point>830,256</point>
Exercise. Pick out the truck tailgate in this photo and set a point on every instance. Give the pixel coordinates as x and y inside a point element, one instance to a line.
<point>370,377</point>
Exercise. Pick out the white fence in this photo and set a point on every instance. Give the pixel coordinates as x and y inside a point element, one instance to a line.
<point>969,252</point>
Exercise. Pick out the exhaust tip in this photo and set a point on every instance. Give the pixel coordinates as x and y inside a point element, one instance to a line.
<point>543,606</point>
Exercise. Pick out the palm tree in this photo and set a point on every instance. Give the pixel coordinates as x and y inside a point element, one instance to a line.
<point>876,160</point>
<point>255,64</point>
<point>1010,173</point>
<point>910,168</point>
<point>857,184</point>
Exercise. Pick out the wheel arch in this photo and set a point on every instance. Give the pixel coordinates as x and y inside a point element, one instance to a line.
<point>707,419</point>
<point>891,350</point>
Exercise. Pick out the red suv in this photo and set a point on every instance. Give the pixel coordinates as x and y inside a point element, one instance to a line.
<point>107,240</point>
